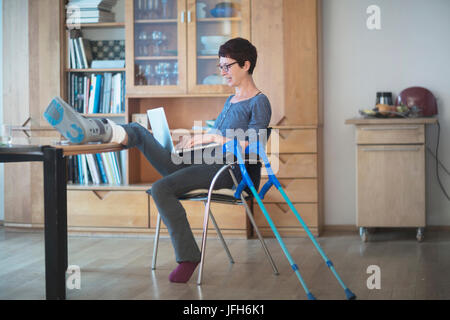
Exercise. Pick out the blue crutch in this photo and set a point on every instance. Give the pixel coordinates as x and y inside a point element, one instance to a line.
<point>256,148</point>
<point>233,147</point>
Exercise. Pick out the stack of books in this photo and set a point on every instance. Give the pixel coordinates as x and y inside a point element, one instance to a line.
<point>100,168</point>
<point>80,52</point>
<point>89,11</point>
<point>97,93</point>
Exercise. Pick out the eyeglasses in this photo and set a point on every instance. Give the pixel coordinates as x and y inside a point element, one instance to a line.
<point>226,67</point>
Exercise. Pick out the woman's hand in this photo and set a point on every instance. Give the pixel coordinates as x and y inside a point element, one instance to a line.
<point>199,139</point>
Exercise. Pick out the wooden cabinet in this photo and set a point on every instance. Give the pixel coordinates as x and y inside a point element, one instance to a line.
<point>173,50</point>
<point>390,173</point>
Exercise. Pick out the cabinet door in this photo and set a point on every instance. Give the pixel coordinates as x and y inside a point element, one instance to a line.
<point>391,186</point>
<point>210,24</point>
<point>156,42</point>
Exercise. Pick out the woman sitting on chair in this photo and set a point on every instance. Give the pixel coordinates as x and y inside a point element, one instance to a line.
<point>247,109</point>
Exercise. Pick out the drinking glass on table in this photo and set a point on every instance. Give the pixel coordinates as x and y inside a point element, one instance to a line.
<point>5,135</point>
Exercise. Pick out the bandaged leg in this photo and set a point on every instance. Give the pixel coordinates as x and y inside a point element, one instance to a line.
<point>78,129</point>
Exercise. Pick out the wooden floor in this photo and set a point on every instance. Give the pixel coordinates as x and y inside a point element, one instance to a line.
<point>119,268</point>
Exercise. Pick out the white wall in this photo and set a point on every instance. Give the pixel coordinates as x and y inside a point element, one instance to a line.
<point>411,49</point>
<point>2,193</point>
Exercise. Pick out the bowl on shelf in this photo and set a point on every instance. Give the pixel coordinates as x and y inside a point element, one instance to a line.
<point>212,43</point>
<point>224,10</point>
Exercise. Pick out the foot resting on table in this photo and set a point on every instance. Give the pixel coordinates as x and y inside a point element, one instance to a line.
<point>78,129</point>
<point>183,272</point>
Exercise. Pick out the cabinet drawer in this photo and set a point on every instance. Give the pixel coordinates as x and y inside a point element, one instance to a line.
<point>298,190</point>
<point>282,216</point>
<point>292,141</point>
<point>390,134</point>
<point>107,209</point>
<point>292,165</point>
<point>391,186</point>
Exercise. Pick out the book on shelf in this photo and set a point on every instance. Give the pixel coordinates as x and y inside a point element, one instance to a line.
<point>108,167</point>
<point>99,4</point>
<point>107,64</point>
<point>97,93</point>
<point>80,51</point>
<point>89,11</point>
<point>93,169</point>
<point>100,168</point>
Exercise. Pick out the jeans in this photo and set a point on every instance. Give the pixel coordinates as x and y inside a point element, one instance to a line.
<point>177,180</point>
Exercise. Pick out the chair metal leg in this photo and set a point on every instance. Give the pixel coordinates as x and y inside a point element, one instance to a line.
<point>156,241</point>
<point>252,220</point>
<point>205,235</point>
<point>205,223</point>
<point>219,233</point>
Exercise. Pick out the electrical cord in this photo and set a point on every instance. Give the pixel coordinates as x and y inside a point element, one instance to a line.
<point>438,162</point>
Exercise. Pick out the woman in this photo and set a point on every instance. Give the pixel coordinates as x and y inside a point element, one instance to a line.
<point>247,109</point>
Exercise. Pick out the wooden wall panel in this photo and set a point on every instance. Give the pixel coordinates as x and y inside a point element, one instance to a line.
<point>286,32</point>
<point>301,73</point>
<point>15,62</point>
<point>267,31</point>
<point>44,57</point>
<point>31,67</point>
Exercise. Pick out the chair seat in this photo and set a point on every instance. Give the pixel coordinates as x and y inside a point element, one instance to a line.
<point>220,195</point>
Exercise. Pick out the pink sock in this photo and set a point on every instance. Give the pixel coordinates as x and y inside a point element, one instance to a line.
<point>183,272</point>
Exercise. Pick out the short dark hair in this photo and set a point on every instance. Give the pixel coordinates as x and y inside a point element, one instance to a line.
<point>240,50</point>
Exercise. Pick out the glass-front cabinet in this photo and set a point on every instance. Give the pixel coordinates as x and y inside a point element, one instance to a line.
<point>175,44</point>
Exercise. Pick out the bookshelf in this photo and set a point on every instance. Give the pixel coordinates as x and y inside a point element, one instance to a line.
<point>95,92</point>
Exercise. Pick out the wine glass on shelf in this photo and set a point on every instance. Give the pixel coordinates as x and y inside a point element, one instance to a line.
<point>174,73</point>
<point>162,69</point>
<point>164,9</point>
<point>140,9</point>
<point>149,74</point>
<point>153,8</point>
<point>143,43</point>
<point>158,38</point>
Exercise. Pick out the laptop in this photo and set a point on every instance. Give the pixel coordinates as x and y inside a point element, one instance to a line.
<point>161,132</point>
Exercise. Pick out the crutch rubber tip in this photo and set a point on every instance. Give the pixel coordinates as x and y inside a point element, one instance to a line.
<point>350,295</point>
<point>310,296</point>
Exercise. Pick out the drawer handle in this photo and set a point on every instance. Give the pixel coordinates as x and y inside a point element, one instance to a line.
<point>392,149</point>
<point>389,128</point>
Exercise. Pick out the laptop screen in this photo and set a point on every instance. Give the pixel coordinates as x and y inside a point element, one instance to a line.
<point>160,128</point>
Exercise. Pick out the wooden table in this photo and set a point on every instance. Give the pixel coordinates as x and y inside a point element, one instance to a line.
<point>55,203</point>
<point>391,173</point>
